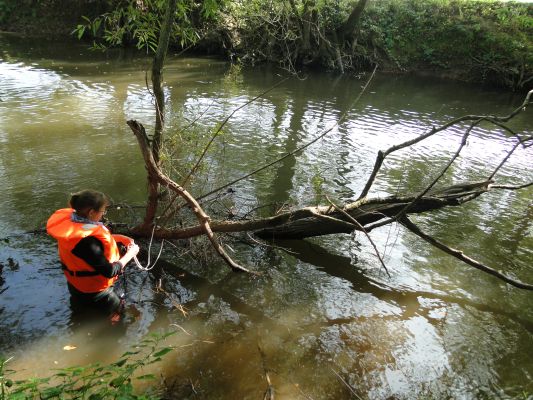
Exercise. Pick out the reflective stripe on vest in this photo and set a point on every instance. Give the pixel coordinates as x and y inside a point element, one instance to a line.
<point>68,234</point>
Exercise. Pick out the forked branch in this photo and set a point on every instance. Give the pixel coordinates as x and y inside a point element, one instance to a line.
<point>380,158</point>
<point>155,175</point>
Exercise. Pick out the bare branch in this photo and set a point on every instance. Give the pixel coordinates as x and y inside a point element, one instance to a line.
<point>155,175</point>
<point>383,154</point>
<point>508,129</point>
<point>461,256</point>
<point>520,142</point>
<point>511,187</point>
<point>428,188</point>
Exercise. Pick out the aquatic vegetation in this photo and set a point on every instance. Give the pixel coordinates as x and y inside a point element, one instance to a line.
<point>94,381</point>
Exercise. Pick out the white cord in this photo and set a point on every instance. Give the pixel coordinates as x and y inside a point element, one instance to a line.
<point>148,266</point>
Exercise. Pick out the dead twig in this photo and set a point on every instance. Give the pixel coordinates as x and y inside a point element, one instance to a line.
<point>511,187</point>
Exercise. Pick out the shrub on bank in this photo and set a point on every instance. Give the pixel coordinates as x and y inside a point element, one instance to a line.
<point>480,41</point>
<point>483,41</point>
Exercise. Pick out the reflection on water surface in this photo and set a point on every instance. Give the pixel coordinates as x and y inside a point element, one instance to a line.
<point>323,319</point>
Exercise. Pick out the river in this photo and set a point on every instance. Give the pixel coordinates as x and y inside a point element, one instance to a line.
<point>323,318</point>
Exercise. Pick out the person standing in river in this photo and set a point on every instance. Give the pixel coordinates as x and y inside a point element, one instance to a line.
<point>89,254</point>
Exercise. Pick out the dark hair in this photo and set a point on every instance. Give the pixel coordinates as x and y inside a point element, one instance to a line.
<point>88,200</point>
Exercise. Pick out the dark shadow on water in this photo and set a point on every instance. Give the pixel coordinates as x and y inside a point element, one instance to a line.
<point>202,289</point>
<point>409,301</point>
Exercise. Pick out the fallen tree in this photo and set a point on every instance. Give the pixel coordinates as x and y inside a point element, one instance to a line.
<point>365,214</point>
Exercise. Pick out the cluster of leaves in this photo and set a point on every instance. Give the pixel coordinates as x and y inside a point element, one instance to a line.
<point>487,41</point>
<point>93,381</point>
<point>138,22</point>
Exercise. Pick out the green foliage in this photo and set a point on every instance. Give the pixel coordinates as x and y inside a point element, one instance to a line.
<point>317,182</point>
<point>481,41</point>
<point>478,40</point>
<point>95,381</point>
<point>138,23</point>
<point>26,8</point>
<point>6,7</point>
<point>485,41</point>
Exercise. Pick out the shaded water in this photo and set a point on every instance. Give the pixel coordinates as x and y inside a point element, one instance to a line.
<point>323,313</point>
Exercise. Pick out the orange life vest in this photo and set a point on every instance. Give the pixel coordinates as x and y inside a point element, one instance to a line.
<point>68,234</point>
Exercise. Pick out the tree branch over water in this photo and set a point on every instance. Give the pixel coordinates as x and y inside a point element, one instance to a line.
<point>383,154</point>
<point>155,175</point>
<point>461,256</point>
<point>364,214</point>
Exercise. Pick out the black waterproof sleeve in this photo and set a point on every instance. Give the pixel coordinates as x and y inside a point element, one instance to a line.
<point>91,250</point>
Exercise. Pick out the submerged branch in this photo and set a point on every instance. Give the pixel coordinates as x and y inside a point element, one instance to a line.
<point>461,256</point>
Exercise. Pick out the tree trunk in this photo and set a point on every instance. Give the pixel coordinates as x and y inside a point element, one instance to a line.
<point>306,26</point>
<point>157,84</point>
<point>348,28</point>
<point>325,220</point>
<point>157,77</point>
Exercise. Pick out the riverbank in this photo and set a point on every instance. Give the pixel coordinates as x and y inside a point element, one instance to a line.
<point>485,42</point>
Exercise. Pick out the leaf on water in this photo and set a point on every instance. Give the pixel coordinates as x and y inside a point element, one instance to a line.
<point>163,352</point>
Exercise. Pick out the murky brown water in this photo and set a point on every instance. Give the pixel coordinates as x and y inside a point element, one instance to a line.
<point>323,313</point>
